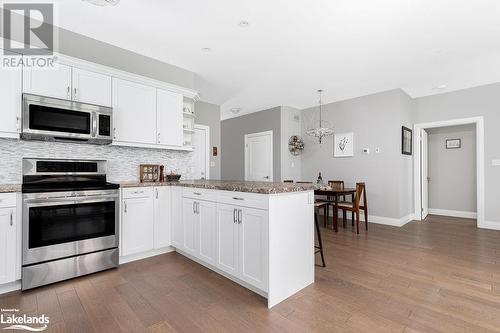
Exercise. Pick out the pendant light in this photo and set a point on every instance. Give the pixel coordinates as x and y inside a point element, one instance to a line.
<point>324,128</point>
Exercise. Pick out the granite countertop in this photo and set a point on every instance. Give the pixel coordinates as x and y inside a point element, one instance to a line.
<point>10,188</point>
<point>226,185</point>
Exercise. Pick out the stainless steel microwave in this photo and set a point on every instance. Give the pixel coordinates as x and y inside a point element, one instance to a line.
<point>52,119</point>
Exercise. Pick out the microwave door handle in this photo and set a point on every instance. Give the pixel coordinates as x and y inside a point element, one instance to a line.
<point>94,124</point>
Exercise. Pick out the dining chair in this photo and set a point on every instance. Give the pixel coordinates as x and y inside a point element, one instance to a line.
<point>356,206</point>
<point>319,248</point>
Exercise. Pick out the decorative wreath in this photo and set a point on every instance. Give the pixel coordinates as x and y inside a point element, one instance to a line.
<point>295,145</point>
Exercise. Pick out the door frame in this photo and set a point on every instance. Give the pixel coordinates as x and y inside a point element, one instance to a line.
<point>417,128</point>
<point>247,136</point>
<point>207,150</point>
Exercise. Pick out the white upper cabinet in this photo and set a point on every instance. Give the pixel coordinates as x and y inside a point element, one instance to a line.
<point>163,216</point>
<point>54,82</point>
<point>91,87</point>
<point>134,112</point>
<point>10,95</point>
<point>169,118</point>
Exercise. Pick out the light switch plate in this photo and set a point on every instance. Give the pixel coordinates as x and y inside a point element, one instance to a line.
<point>212,164</point>
<point>366,151</point>
<point>377,150</point>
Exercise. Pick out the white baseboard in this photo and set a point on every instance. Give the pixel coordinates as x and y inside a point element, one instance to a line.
<point>453,213</point>
<point>144,255</point>
<point>382,219</point>
<point>490,225</point>
<point>11,286</point>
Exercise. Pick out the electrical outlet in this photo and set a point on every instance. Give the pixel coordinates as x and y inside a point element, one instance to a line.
<point>377,150</point>
<point>366,151</point>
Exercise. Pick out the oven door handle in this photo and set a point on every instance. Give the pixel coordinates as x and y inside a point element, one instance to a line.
<point>68,200</point>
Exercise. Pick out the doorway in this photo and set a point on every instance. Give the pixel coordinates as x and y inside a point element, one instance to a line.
<point>201,155</point>
<point>259,156</point>
<point>422,177</point>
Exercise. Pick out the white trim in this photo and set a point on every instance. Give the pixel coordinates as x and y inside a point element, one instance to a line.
<point>11,286</point>
<point>391,221</point>
<point>207,150</point>
<point>453,213</point>
<point>144,255</point>
<point>120,74</point>
<point>271,152</point>
<point>150,145</point>
<point>489,225</point>
<point>479,122</point>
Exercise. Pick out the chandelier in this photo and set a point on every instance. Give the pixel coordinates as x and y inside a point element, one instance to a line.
<point>324,129</point>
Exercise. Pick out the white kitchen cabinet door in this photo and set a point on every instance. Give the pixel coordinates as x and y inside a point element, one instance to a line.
<point>137,225</point>
<point>177,223</point>
<point>253,246</point>
<point>10,95</point>
<point>169,107</point>
<point>163,217</point>
<point>134,112</point>
<point>190,220</point>
<point>8,245</point>
<point>54,82</point>
<point>207,219</point>
<point>91,87</point>
<point>227,239</point>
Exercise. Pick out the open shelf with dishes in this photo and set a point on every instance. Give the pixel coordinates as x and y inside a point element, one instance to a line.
<point>188,122</point>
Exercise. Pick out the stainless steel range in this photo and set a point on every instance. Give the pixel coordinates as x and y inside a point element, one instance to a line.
<point>70,220</point>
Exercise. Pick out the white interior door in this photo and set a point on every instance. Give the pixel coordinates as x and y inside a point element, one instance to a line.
<point>259,156</point>
<point>425,174</point>
<point>201,156</point>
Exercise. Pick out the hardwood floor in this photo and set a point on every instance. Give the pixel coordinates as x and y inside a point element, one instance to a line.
<point>439,276</point>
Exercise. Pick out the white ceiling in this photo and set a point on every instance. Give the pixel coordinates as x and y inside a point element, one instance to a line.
<point>291,48</point>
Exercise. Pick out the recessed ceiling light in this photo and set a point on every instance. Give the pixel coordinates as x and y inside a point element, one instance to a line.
<point>206,49</point>
<point>235,110</point>
<point>440,87</point>
<point>244,24</point>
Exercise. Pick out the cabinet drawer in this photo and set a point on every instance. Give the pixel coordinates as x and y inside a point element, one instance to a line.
<point>137,192</point>
<point>251,200</point>
<point>200,194</point>
<point>7,200</point>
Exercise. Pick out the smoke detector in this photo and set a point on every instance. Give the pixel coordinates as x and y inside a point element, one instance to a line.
<point>235,110</point>
<point>103,3</point>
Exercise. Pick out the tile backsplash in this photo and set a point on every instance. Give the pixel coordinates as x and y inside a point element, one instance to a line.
<point>123,162</point>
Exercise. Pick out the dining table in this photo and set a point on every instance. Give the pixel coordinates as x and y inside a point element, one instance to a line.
<point>333,194</point>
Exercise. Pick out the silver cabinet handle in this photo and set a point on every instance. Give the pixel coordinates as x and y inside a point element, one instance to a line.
<point>138,192</point>
<point>158,137</point>
<point>236,198</point>
<point>11,218</point>
<point>124,206</point>
<point>198,208</point>
<point>75,97</point>
<point>18,123</point>
<point>114,133</point>
<point>240,216</point>
<point>235,214</point>
<point>196,193</point>
<point>156,193</point>
<point>194,209</point>
<point>68,92</point>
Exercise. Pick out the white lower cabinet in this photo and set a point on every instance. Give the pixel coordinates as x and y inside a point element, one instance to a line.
<point>9,246</point>
<point>232,238</point>
<point>146,219</point>
<point>177,224</point>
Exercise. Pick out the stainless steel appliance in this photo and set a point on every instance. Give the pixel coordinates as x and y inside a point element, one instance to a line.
<point>70,220</point>
<point>52,119</point>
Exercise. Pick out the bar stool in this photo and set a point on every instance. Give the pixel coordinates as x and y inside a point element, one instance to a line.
<point>319,248</point>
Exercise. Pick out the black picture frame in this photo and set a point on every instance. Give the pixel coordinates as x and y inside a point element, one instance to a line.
<point>406,141</point>
<point>450,146</point>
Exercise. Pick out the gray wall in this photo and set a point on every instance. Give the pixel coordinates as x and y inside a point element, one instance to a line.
<point>233,140</point>
<point>479,101</point>
<point>376,121</point>
<point>209,115</point>
<point>452,172</point>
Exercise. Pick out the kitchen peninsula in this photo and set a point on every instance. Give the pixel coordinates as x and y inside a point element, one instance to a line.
<point>258,234</point>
